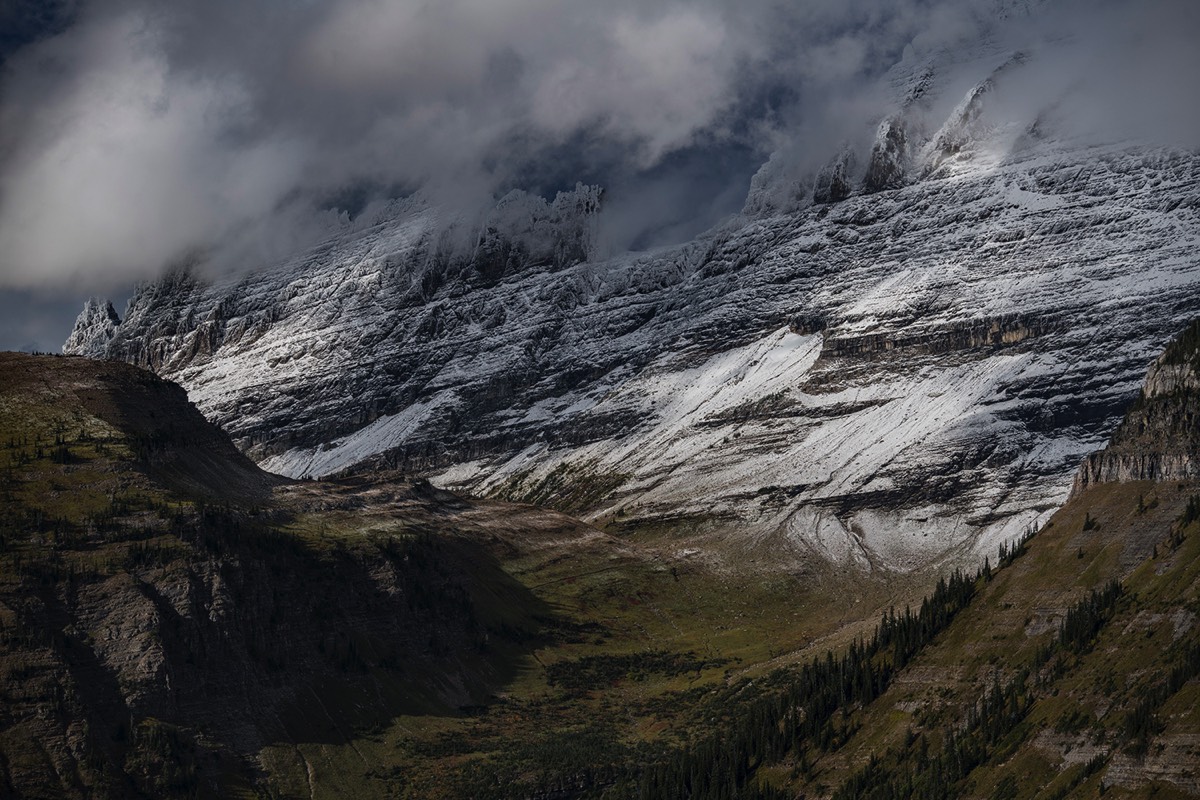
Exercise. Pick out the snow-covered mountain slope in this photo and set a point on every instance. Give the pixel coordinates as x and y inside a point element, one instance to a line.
<point>890,376</point>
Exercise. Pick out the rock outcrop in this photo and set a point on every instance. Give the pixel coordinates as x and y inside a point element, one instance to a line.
<point>891,153</point>
<point>1159,439</point>
<point>94,329</point>
<point>835,181</point>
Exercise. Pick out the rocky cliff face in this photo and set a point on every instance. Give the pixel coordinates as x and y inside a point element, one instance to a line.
<point>1159,439</point>
<point>989,297</point>
<point>94,329</point>
<point>169,675</point>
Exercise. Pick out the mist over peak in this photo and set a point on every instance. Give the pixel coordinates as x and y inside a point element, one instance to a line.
<point>133,135</point>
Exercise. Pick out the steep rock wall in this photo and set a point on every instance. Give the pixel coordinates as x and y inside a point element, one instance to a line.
<point>1159,439</point>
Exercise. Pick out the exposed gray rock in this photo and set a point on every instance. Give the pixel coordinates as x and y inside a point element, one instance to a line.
<point>1159,439</point>
<point>1172,761</point>
<point>964,341</point>
<point>94,329</point>
<point>835,181</point>
<point>890,156</point>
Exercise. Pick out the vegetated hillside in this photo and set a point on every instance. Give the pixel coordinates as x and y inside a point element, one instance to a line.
<point>1067,667</point>
<point>167,609</point>
<point>1075,667</point>
<point>375,637</point>
<point>60,408</point>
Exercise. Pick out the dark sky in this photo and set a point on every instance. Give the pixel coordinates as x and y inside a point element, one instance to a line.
<point>137,133</point>
<point>36,321</point>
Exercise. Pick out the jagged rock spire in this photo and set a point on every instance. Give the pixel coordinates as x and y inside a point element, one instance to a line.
<point>94,329</point>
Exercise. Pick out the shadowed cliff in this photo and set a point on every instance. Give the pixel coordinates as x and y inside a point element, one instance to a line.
<point>167,609</point>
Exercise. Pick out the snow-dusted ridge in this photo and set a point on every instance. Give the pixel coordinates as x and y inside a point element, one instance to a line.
<point>885,379</point>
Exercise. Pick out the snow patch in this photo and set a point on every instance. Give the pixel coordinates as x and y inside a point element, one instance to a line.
<point>381,435</point>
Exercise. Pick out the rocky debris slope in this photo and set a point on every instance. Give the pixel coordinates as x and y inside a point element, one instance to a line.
<point>909,371</point>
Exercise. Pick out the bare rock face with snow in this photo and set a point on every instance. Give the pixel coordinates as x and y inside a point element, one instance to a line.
<point>909,372</point>
<point>835,182</point>
<point>94,329</point>
<point>890,156</point>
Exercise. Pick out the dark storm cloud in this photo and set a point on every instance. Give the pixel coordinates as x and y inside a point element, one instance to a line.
<point>23,22</point>
<point>146,132</point>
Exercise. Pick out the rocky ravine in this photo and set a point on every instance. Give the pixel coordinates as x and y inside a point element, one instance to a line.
<point>902,362</point>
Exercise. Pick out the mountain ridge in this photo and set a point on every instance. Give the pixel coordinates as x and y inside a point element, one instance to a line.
<point>976,327</point>
<point>1158,439</point>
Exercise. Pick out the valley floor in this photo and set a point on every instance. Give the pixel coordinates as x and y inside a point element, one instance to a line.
<point>669,654</point>
<point>175,623</point>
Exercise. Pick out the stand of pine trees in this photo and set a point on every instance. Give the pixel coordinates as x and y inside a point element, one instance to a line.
<point>1085,619</point>
<point>802,715</point>
<point>920,774</point>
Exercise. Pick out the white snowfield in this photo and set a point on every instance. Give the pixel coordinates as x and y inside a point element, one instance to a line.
<point>903,376</point>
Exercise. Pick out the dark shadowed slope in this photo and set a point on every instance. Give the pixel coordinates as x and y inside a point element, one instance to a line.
<point>73,404</point>
<point>164,616</point>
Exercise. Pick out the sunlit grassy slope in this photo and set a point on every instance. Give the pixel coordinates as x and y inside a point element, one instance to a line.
<point>1080,732</point>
